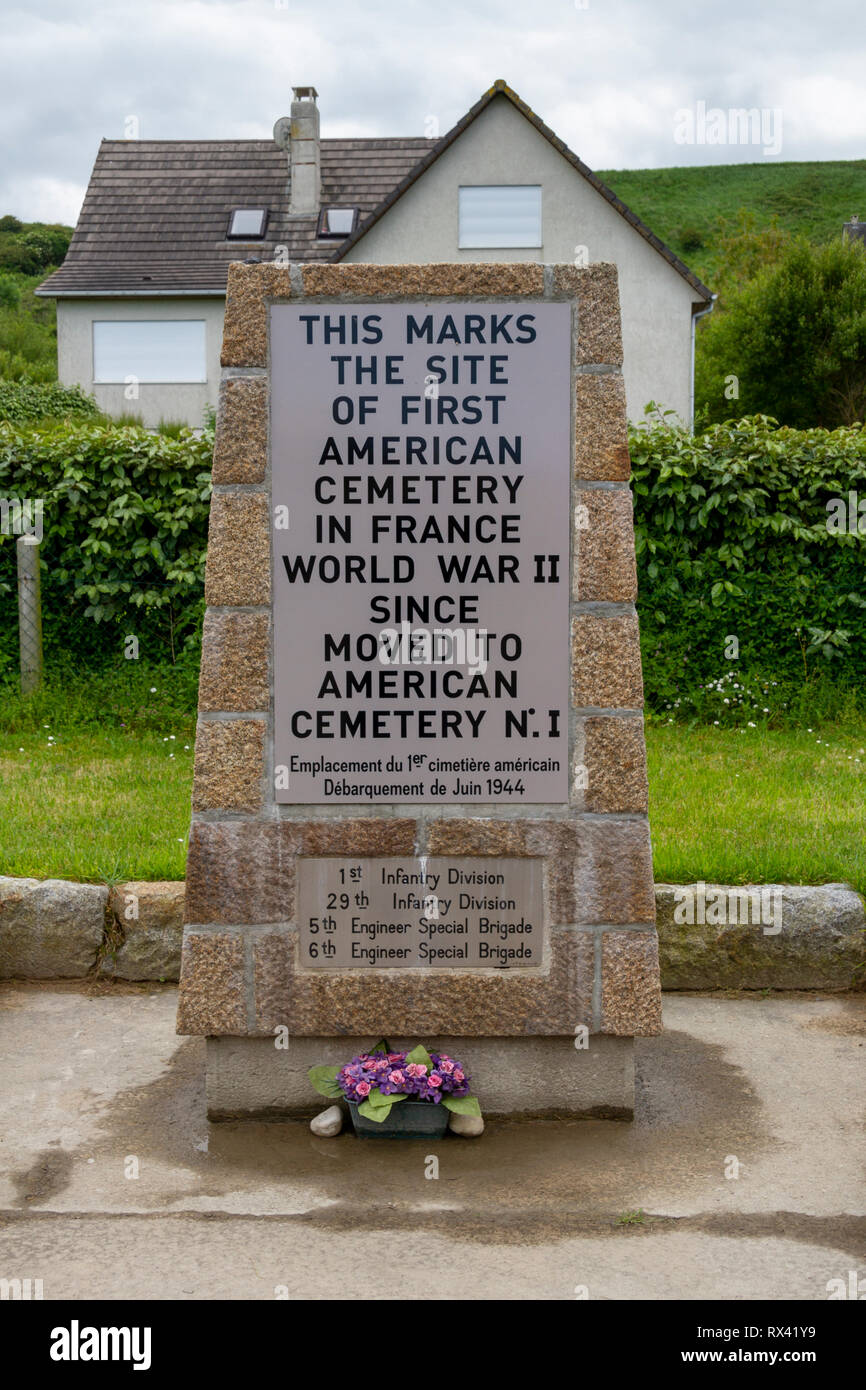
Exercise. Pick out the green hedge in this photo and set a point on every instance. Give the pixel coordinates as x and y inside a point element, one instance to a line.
<point>24,401</point>
<point>125,533</point>
<point>731,531</point>
<point>732,540</point>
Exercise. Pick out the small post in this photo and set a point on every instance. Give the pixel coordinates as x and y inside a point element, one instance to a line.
<point>29,614</point>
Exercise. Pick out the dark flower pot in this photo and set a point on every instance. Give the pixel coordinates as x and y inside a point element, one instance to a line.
<point>408,1119</point>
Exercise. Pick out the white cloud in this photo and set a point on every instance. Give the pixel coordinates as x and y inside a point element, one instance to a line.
<point>41,199</point>
<point>608,78</point>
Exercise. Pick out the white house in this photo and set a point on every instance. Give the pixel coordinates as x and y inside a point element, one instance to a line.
<point>140,295</point>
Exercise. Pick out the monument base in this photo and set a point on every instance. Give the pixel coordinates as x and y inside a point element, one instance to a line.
<point>251,1078</point>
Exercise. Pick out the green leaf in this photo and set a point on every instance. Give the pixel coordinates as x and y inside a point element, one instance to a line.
<point>462,1105</point>
<point>420,1055</point>
<point>324,1080</point>
<point>381,1046</point>
<point>377,1099</point>
<point>374,1112</point>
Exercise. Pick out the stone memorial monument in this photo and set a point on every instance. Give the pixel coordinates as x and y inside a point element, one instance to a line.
<point>420,797</point>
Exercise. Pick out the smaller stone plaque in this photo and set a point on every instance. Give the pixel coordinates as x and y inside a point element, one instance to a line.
<point>439,914</point>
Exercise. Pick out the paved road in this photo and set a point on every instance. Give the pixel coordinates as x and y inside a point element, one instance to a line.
<point>113,1185</point>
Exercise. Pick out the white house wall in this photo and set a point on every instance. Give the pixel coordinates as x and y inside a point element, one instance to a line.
<point>501,147</point>
<point>169,401</point>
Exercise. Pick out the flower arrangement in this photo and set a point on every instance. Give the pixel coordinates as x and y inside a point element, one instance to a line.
<point>376,1080</point>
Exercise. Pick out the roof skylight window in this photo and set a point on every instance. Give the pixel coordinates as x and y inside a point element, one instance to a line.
<point>248,224</point>
<point>337,222</point>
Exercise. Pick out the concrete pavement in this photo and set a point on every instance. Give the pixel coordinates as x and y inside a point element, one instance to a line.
<point>113,1185</point>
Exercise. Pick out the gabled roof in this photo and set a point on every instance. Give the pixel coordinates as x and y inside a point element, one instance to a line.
<point>155,214</point>
<point>501,88</point>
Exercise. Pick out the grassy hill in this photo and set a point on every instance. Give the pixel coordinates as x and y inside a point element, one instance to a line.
<point>687,207</point>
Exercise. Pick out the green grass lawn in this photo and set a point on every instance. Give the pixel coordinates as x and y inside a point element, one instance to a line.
<point>95,806</point>
<point>753,806</point>
<point>812,198</point>
<point>759,805</point>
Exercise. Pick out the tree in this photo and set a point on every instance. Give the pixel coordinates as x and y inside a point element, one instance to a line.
<point>790,342</point>
<point>745,248</point>
<point>35,248</point>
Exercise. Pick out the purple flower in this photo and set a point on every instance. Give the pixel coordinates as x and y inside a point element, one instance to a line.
<point>391,1074</point>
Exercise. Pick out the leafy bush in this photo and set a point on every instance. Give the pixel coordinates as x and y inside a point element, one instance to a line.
<point>21,401</point>
<point>125,531</point>
<point>28,333</point>
<point>731,533</point>
<point>746,249</point>
<point>795,339</point>
<point>732,538</point>
<point>691,238</point>
<point>14,366</point>
<point>10,295</point>
<point>33,247</point>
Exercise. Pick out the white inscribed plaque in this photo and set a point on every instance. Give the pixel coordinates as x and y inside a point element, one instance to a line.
<point>421,459</point>
<point>442,914</point>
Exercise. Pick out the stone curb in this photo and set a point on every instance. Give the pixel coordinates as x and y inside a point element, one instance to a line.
<point>711,936</point>
<point>776,936</point>
<point>56,929</point>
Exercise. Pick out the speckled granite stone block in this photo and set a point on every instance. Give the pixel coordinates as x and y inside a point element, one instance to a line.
<point>614,753</point>
<point>601,434</point>
<point>240,452</point>
<point>606,564</point>
<point>238,568</point>
<point>235,653</point>
<point>630,985</point>
<point>229,765</point>
<point>211,995</point>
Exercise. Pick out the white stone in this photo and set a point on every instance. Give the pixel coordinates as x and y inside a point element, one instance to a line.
<point>328,1123</point>
<point>468,1126</point>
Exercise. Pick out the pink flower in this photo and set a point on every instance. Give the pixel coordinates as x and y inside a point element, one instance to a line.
<point>363,1088</point>
<point>459,1075</point>
<point>397,1077</point>
<point>369,1064</point>
<point>416,1069</point>
<point>434,1079</point>
<point>395,1056</point>
<point>446,1065</point>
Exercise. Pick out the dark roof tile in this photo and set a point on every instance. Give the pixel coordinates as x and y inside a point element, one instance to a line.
<point>160,208</point>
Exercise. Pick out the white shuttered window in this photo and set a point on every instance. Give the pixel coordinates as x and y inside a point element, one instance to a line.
<point>164,350</point>
<point>500,216</point>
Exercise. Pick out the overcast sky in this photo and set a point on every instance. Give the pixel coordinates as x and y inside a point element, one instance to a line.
<point>612,77</point>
